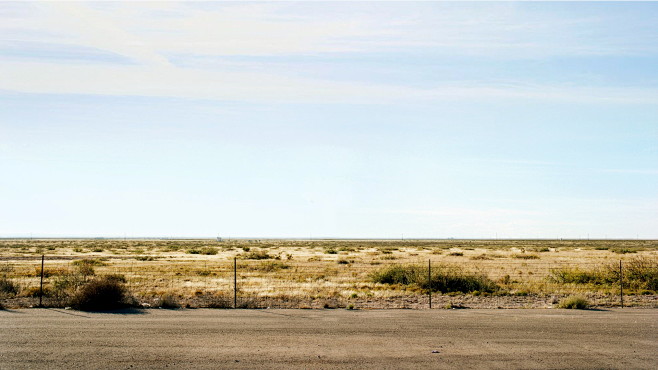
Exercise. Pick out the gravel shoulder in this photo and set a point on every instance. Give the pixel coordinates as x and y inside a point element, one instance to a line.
<point>204,338</point>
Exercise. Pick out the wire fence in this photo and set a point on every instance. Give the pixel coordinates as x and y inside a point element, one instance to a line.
<point>313,284</point>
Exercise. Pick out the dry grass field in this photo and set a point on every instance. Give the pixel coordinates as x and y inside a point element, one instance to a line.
<point>335,273</point>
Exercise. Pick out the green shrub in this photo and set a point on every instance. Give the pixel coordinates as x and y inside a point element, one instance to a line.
<point>100,294</point>
<point>210,251</point>
<point>444,278</point>
<point>574,302</point>
<point>566,275</point>
<point>642,273</point>
<point>398,274</point>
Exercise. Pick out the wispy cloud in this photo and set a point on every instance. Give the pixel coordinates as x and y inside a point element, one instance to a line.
<point>150,34</point>
<point>171,81</point>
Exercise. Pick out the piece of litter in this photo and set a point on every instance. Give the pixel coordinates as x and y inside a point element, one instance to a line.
<point>435,351</point>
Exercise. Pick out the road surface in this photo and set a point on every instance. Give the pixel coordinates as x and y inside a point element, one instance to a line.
<point>205,338</point>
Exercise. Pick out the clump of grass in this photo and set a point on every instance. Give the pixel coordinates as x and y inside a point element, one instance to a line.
<point>209,251</point>
<point>481,257</point>
<point>623,250</point>
<point>145,258</point>
<point>8,287</point>
<point>89,262</point>
<point>101,294</point>
<point>217,301</point>
<point>576,275</point>
<point>642,273</point>
<point>444,278</point>
<point>330,251</point>
<point>574,302</point>
<point>257,255</point>
<point>271,266</point>
<point>168,301</point>
<point>526,256</point>
<point>456,254</point>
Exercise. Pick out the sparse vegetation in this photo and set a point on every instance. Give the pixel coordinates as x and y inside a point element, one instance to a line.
<point>445,278</point>
<point>257,255</point>
<point>574,302</point>
<point>302,273</point>
<point>8,287</point>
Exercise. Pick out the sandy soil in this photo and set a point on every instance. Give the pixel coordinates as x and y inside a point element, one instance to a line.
<point>53,338</point>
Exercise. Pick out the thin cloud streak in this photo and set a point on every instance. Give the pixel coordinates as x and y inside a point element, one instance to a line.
<point>176,82</point>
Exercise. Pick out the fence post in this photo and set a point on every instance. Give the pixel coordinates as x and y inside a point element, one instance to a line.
<point>621,285</point>
<point>235,282</point>
<point>429,280</point>
<point>41,283</point>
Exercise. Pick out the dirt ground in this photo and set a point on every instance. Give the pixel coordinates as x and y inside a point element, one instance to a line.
<point>203,338</point>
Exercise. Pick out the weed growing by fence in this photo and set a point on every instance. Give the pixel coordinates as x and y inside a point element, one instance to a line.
<point>8,287</point>
<point>640,273</point>
<point>100,294</point>
<point>444,279</point>
<point>574,302</point>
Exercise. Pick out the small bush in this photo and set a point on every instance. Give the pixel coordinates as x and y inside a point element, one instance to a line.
<point>271,266</point>
<point>527,256</point>
<point>89,262</point>
<point>101,294</point>
<point>168,301</point>
<point>50,271</point>
<point>8,287</point>
<point>209,251</point>
<point>256,255</point>
<point>574,302</point>
<point>642,273</point>
<point>218,301</point>
<point>444,278</point>
<point>456,254</point>
<point>577,276</point>
<point>481,257</point>
<point>623,250</point>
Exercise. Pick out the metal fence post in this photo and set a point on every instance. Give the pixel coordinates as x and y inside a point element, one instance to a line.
<point>235,282</point>
<point>621,285</point>
<point>429,280</point>
<point>41,283</point>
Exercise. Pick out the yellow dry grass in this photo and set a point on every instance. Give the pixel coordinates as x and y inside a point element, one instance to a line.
<point>314,269</point>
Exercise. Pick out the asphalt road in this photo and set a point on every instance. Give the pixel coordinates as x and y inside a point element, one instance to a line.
<point>50,338</point>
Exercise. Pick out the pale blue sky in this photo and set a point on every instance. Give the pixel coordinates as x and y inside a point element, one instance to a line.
<point>377,119</point>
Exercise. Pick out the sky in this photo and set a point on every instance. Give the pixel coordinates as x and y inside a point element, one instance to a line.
<point>329,119</point>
